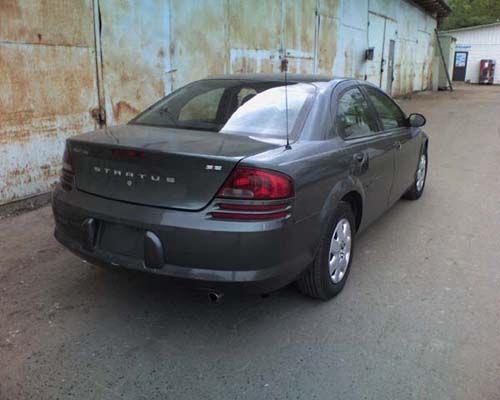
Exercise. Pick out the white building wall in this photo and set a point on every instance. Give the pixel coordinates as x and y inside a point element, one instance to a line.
<point>481,43</point>
<point>412,29</point>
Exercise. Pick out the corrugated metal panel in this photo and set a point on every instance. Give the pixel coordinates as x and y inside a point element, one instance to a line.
<point>198,45</point>
<point>299,34</point>
<point>327,44</point>
<point>135,55</point>
<point>46,92</point>
<point>61,23</point>
<point>254,35</point>
<point>413,32</point>
<point>60,60</point>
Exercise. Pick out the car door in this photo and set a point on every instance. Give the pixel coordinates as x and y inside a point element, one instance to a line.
<point>406,141</point>
<point>370,150</point>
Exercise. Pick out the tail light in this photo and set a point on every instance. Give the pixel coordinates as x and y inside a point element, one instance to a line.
<point>271,189</point>
<point>67,173</point>
<point>257,184</point>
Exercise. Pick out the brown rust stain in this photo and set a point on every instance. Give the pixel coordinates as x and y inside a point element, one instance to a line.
<point>124,111</point>
<point>40,85</point>
<point>41,81</point>
<point>47,87</point>
<point>327,44</point>
<point>28,175</point>
<point>199,34</point>
<point>255,25</point>
<point>46,170</point>
<point>134,43</point>
<point>329,8</point>
<point>299,25</point>
<point>68,23</point>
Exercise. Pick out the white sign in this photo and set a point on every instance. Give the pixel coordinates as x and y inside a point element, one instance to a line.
<point>460,59</point>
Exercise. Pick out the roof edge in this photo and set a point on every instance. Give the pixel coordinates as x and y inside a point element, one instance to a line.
<point>438,6</point>
<point>472,27</point>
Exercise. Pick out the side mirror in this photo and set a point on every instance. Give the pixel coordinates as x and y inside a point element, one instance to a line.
<point>416,120</point>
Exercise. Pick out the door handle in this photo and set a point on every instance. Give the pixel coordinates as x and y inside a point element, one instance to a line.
<point>360,157</point>
<point>397,145</point>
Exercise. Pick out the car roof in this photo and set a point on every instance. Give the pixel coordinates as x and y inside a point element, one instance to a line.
<point>277,77</point>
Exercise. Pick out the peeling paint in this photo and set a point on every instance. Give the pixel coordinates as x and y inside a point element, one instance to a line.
<point>65,64</point>
<point>49,22</point>
<point>133,43</point>
<point>47,89</point>
<point>199,39</point>
<point>327,47</point>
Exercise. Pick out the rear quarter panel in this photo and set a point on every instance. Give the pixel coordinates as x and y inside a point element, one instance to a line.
<point>321,172</point>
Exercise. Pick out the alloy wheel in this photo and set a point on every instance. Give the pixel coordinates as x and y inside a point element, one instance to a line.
<point>340,250</point>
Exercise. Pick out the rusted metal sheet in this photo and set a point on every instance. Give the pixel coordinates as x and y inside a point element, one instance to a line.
<point>63,62</point>
<point>412,30</point>
<point>50,22</point>
<point>199,40</point>
<point>134,42</point>
<point>255,33</point>
<point>299,34</point>
<point>327,44</point>
<point>46,91</point>
<point>331,8</point>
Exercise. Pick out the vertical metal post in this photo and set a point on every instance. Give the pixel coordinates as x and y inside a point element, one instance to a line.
<point>316,37</point>
<point>382,60</point>
<point>98,113</point>
<point>443,60</point>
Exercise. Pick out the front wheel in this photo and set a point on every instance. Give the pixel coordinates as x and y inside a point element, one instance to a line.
<point>417,188</point>
<point>327,275</point>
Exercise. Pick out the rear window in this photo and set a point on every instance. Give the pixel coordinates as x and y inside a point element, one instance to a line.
<point>233,107</point>
<point>265,114</point>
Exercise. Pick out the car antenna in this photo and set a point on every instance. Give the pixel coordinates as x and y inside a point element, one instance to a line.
<point>284,68</point>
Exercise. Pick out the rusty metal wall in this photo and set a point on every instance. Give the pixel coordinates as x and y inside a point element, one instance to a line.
<point>135,57</point>
<point>71,66</point>
<point>47,87</point>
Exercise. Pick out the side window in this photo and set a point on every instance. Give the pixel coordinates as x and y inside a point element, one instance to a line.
<point>353,118</point>
<point>203,107</point>
<point>245,94</point>
<point>388,112</point>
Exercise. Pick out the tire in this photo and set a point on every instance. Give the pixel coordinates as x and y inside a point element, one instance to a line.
<point>416,191</point>
<point>318,281</point>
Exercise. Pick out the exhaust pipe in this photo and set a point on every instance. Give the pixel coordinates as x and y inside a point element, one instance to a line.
<point>215,297</point>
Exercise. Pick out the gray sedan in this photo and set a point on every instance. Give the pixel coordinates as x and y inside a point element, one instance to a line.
<point>241,181</point>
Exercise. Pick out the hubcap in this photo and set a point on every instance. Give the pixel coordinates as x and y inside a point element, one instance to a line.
<point>422,165</point>
<point>340,250</point>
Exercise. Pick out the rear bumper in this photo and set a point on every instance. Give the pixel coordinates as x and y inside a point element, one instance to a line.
<point>262,256</point>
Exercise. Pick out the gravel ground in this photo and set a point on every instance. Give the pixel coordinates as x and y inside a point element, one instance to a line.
<point>419,317</point>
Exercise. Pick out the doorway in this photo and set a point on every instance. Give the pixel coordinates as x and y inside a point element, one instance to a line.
<point>460,65</point>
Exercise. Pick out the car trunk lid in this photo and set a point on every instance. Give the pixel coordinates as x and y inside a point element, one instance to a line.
<point>162,167</point>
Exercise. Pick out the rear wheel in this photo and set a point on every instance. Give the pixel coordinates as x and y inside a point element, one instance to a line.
<point>327,275</point>
<point>417,188</point>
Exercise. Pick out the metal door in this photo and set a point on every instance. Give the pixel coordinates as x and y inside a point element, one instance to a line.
<point>382,34</point>
<point>47,87</point>
<point>326,37</point>
<point>390,66</point>
<point>460,65</point>
<point>133,58</point>
<point>376,38</point>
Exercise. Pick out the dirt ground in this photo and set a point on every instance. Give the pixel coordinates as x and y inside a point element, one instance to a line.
<point>419,317</point>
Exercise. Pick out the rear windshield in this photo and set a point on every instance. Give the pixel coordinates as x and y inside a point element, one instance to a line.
<point>233,107</point>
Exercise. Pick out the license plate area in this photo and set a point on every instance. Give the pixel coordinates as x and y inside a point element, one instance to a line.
<point>122,239</point>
